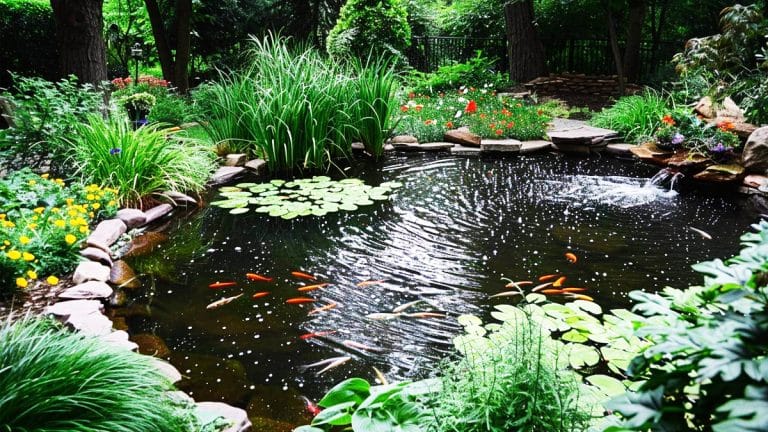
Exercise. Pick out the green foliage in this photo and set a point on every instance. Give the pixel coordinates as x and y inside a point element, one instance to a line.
<point>706,368</point>
<point>29,42</point>
<point>635,117</point>
<point>173,110</point>
<point>126,22</point>
<point>374,103</point>
<point>55,380</point>
<point>141,101</point>
<point>370,26</point>
<point>516,119</point>
<point>43,112</point>
<point>470,18</point>
<point>168,107</point>
<point>42,225</point>
<point>141,162</point>
<point>479,71</point>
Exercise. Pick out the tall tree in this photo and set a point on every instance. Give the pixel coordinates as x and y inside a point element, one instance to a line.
<point>175,68</point>
<point>79,26</point>
<point>635,22</point>
<point>525,50</point>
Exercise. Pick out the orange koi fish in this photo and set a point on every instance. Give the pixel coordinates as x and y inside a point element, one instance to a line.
<point>302,275</point>
<point>558,283</point>
<point>548,277</point>
<point>217,285</point>
<point>323,308</point>
<point>257,277</point>
<point>300,300</point>
<point>571,257</point>
<point>368,282</point>
<point>260,294</point>
<point>552,291</point>
<point>312,287</point>
<point>316,334</point>
<point>541,287</point>
<point>518,284</point>
<point>574,290</point>
<point>583,297</point>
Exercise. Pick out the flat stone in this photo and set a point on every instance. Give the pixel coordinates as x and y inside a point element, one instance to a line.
<point>151,345</point>
<point>119,339</point>
<point>207,412</point>
<point>165,368</point>
<point>93,324</point>
<point>535,146</point>
<point>90,271</point>
<point>157,212</point>
<point>580,149</point>
<point>464,138</point>
<point>87,290</point>
<point>388,147</point>
<point>730,110</point>
<point>132,218</point>
<point>743,130</point>
<point>620,149</point>
<point>259,166</point>
<point>235,160</point>
<point>74,307</point>
<point>461,150</point>
<point>97,254</point>
<point>226,174</point>
<point>180,396</point>
<point>685,161</point>
<point>404,139</point>
<point>579,133</point>
<point>106,233</point>
<point>755,180</point>
<point>358,146</point>
<point>179,198</point>
<point>123,276</point>
<point>500,146</point>
<point>705,107</point>
<point>721,174</point>
<point>434,146</point>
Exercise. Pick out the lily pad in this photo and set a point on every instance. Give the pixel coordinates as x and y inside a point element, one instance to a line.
<point>608,385</point>
<point>239,210</point>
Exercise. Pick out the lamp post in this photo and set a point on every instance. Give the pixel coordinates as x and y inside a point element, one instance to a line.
<point>136,53</point>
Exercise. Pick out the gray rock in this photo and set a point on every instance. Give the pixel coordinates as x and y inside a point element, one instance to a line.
<point>705,107</point>
<point>464,138</point>
<point>755,155</point>
<point>404,139</point>
<point>388,147</point>
<point>358,146</point>
<point>90,271</point>
<point>93,324</point>
<point>235,160</point>
<point>259,166</point>
<point>461,150</point>
<point>226,174</point>
<point>132,217</point>
<point>106,233</point>
<point>119,339</point>
<point>535,146</point>
<point>730,110</point>
<point>620,149</point>
<point>179,198</point>
<point>75,307</point>
<point>157,212</point>
<point>98,255</point>
<point>580,149</point>
<point>165,368</point>
<point>87,290</point>
<point>436,146</point>
<point>207,412</point>
<point>500,146</point>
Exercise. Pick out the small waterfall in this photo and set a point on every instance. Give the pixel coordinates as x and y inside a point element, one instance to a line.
<point>664,179</point>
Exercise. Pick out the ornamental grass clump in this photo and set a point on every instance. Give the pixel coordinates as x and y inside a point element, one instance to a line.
<point>635,117</point>
<point>55,380</point>
<point>139,163</point>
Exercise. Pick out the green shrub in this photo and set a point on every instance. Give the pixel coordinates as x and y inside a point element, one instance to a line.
<point>43,112</point>
<point>635,117</point>
<point>706,368</point>
<point>173,110</point>
<point>370,26</point>
<point>55,380</point>
<point>138,163</point>
<point>42,225</point>
<point>478,71</point>
<point>29,40</point>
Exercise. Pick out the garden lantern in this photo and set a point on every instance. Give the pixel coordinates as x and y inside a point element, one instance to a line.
<point>136,53</point>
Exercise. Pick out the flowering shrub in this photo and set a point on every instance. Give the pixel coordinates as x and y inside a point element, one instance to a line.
<point>121,83</point>
<point>43,224</point>
<point>429,117</point>
<point>684,130</point>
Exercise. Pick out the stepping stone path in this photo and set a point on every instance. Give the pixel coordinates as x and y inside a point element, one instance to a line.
<point>87,290</point>
<point>575,136</point>
<point>500,146</point>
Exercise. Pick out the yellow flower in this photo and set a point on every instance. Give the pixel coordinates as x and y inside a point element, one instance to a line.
<point>70,201</point>
<point>32,226</point>
<point>61,223</point>
<point>55,210</point>
<point>111,203</point>
<point>96,206</point>
<point>45,176</point>
<point>26,256</point>
<point>52,280</point>
<point>90,197</point>
<point>8,224</point>
<point>24,240</point>
<point>6,242</point>
<point>32,275</point>
<point>69,238</point>
<point>39,210</point>
<point>32,182</point>
<point>13,255</point>
<point>21,282</point>
<point>2,216</point>
<point>83,229</point>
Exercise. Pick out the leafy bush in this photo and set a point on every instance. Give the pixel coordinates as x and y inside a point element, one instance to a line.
<point>25,24</point>
<point>706,368</point>
<point>43,112</point>
<point>168,107</point>
<point>478,71</point>
<point>365,27</point>
<point>42,225</point>
<point>634,117</point>
<point>173,110</point>
<point>138,163</point>
<point>55,380</point>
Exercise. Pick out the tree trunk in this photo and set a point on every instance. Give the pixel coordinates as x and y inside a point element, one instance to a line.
<point>637,10</point>
<point>183,45</point>
<point>161,40</point>
<point>615,49</point>
<point>524,48</point>
<point>81,44</point>
<point>657,31</point>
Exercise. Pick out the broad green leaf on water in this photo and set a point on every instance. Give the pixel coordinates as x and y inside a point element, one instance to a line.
<point>246,185</point>
<point>278,182</point>
<point>353,389</point>
<point>290,215</point>
<point>590,307</point>
<point>240,210</point>
<point>278,211</point>
<point>469,320</point>
<point>580,355</point>
<point>229,189</point>
<point>391,185</point>
<point>306,428</point>
<point>536,298</point>
<point>508,313</point>
<point>348,207</point>
<point>608,385</point>
<point>236,194</point>
<point>574,336</point>
<point>234,203</point>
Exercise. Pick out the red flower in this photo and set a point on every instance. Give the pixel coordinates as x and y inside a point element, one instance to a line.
<point>482,115</point>
<point>404,108</point>
<point>428,122</point>
<point>499,131</point>
<point>667,119</point>
<point>725,126</point>
<point>510,125</point>
<point>418,107</point>
<point>471,107</point>
<point>449,125</point>
<point>492,125</point>
<point>411,95</point>
<point>539,112</point>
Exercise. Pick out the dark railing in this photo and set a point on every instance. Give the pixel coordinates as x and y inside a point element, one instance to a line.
<point>588,56</point>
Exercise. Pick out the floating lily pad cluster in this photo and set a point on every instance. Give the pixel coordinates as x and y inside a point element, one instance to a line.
<point>316,196</point>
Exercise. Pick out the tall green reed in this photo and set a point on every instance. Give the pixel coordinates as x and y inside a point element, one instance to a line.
<point>372,109</point>
<point>635,117</point>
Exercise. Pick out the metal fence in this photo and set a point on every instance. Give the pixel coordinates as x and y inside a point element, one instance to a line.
<point>588,56</point>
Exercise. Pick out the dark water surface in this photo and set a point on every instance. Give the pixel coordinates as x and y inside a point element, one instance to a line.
<point>447,237</point>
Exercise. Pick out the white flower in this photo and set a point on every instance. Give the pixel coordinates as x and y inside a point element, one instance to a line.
<point>458,114</point>
<point>462,100</point>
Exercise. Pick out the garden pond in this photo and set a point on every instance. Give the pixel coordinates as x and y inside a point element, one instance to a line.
<point>447,237</point>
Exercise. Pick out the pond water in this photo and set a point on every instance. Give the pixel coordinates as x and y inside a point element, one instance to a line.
<point>447,237</point>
